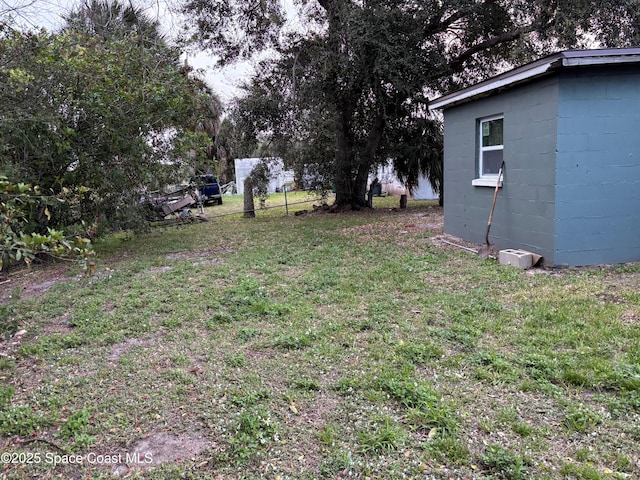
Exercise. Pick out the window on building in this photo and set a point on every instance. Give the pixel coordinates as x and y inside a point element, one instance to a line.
<point>491,147</point>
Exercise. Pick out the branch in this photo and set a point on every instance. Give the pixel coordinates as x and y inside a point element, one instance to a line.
<point>326,4</point>
<point>457,63</point>
<point>439,25</point>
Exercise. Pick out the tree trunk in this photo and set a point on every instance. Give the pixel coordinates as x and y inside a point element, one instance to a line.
<point>352,170</point>
<point>249,207</point>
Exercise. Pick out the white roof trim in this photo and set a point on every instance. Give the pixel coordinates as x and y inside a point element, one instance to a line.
<point>569,58</point>
<point>487,87</point>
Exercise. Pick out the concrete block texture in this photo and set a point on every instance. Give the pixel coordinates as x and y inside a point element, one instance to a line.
<point>516,258</point>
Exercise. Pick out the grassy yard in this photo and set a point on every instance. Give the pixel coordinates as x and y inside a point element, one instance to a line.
<point>320,346</point>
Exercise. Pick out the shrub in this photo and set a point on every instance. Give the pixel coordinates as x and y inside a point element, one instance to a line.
<point>24,230</point>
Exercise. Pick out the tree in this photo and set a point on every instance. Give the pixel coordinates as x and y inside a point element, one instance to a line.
<point>365,70</point>
<point>102,106</point>
<point>256,183</point>
<point>109,19</point>
<point>225,151</point>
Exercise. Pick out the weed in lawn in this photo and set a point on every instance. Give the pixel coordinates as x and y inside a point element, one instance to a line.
<point>581,472</point>
<point>377,317</point>
<point>7,363</point>
<point>419,353</point>
<point>577,378</point>
<point>173,322</point>
<point>8,320</point>
<point>288,340</point>
<point>6,392</point>
<point>504,415</point>
<point>462,336</point>
<point>581,419</point>
<point>179,360</point>
<point>305,384</point>
<point>623,377</point>
<point>21,420</point>
<point>346,386</point>
<point>245,399</point>
<point>75,428</point>
<point>492,367</point>
<point>219,318</point>
<point>409,392</point>
<point>249,299</point>
<point>584,455</point>
<point>627,268</point>
<point>329,435</point>
<point>622,463</point>
<point>439,418</point>
<point>447,449</point>
<point>623,403</point>
<point>51,344</point>
<point>541,366</point>
<point>426,409</point>
<point>244,334</point>
<point>334,464</point>
<point>508,417</point>
<point>504,463</point>
<point>521,428</point>
<point>235,360</point>
<point>179,377</point>
<point>383,436</point>
<point>254,430</point>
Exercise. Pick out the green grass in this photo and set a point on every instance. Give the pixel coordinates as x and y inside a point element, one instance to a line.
<point>326,346</point>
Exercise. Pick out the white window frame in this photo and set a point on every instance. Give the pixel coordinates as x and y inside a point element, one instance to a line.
<point>490,179</point>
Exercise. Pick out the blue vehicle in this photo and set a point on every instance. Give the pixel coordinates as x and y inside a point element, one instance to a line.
<point>207,188</point>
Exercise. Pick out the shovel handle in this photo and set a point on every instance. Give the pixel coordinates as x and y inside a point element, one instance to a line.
<point>493,203</point>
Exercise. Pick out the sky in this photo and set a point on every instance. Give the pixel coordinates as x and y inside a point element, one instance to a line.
<point>50,14</point>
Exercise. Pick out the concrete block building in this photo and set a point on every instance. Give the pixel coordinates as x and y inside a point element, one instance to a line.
<point>568,129</point>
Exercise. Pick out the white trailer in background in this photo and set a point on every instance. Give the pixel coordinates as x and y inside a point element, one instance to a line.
<point>390,184</point>
<point>278,177</point>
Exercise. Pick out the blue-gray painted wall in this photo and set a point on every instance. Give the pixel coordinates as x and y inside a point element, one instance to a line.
<point>524,210</point>
<point>598,167</point>
<point>572,182</point>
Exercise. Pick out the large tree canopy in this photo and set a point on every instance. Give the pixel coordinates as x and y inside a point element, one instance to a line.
<point>352,81</point>
<point>104,106</point>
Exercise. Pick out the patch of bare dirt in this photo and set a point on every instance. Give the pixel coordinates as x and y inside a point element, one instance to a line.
<point>211,261</point>
<point>447,242</point>
<point>160,448</point>
<point>33,282</point>
<point>403,224</point>
<point>121,348</point>
<point>59,325</point>
<point>630,317</point>
<point>198,255</point>
<point>162,269</point>
<point>39,279</point>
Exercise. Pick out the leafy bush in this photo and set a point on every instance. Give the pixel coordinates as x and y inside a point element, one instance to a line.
<point>259,178</point>
<point>24,234</point>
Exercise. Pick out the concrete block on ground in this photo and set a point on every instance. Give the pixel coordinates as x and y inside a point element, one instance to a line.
<point>516,258</point>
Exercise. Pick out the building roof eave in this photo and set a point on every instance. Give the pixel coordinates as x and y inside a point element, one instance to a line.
<point>487,87</point>
<point>544,66</point>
